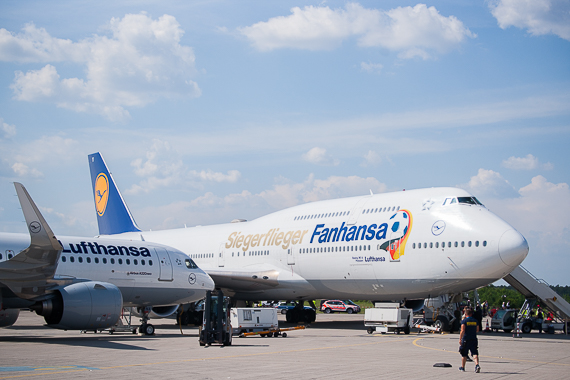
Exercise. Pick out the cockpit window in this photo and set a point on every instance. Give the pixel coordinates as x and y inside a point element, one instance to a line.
<point>190,264</point>
<point>469,201</point>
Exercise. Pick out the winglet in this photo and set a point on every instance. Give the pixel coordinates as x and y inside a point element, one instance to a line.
<point>42,237</point>
<point>113,215</point>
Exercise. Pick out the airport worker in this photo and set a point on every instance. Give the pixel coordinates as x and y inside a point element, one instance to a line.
<point>468,340</point>
<point>539,319</point>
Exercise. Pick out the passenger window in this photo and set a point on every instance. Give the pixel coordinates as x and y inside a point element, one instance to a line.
<point>437,244</point>
<point>142,262</point>
<point>484,243</point>
<point>88,259</point>
<point>63,259</point>
<point>477,243</point>
<point>104,260</point>
<point>448,244</point>
<point>419,245</point>
<point>136,262</point>
<point>414,246</point>
<point>96,260</point>
<point>150,262</point>
<point>462,244</point>
<point>128,261</point>
<point>431,245</point>
<point>120,261</point>
<point>469,244</point>
<point>456,245</point>
<point>72,259</point>
<point>112,261</point>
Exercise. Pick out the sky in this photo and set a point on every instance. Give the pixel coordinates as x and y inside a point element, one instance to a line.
<point>208,111</point>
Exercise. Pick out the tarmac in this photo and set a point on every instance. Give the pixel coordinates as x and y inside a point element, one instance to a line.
<point>336,346</point>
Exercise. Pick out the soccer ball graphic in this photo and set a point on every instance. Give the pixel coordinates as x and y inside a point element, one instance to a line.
<point>400,225</point>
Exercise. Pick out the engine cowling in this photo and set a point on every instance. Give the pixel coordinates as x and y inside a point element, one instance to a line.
<point>8,317</point>
<point>156,311</point>
<point>88,305</point>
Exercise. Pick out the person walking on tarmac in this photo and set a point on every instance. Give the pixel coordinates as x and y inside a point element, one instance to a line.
<point>468,340</point>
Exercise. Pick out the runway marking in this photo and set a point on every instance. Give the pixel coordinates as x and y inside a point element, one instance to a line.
<point>415,342</point>
<point>81,369</point>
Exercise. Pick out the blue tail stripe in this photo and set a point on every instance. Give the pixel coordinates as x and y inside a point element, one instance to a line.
<point>113,215</point>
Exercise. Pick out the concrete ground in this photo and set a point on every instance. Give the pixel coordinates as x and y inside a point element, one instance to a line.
<point>335,347</point>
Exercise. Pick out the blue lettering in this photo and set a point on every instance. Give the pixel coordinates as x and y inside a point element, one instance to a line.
<point>363,229</point>
<point>123,250</point>
<point>381,234</point>
<point>342,230</point>
<point>144,252</point>
<point>134,251</point>
<point>112,250</point>
<point>316,232</point>
<point>370,234</point>
<point>324,235</point>
<point>351,233</point>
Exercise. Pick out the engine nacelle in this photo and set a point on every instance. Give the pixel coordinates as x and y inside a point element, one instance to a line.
<point>8,317</point>
<point>88,305</point>
<point>415,305</point>
<point>156,311</point>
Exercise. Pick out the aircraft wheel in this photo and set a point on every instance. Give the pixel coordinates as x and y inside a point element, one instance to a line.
<point>526,328</point>
<point>147,329</point>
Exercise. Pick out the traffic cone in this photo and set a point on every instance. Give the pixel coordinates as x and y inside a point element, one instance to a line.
<point>487,329</point>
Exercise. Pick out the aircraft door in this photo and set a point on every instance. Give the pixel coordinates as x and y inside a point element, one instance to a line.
<point>356,211</point>
<point>164,265</point>
<point>221,258</point>
<point>290,256</point>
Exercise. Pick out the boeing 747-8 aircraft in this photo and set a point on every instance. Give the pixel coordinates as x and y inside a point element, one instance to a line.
<point>83,283</point>
<point>407,245</point>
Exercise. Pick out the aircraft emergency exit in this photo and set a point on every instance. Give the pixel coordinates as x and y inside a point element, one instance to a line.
<point>407,245</point>
<point>83,283</point>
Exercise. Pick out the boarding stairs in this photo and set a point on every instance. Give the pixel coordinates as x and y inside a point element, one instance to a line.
<point>533,288</point>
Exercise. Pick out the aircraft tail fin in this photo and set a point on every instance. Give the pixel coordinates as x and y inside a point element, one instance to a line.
<point>113,215</point>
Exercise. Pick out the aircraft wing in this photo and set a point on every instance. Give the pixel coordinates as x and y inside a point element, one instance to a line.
<point>28,274</point>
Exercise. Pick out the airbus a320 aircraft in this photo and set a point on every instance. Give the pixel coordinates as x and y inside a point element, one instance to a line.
<point>407,245</point>
<point>83,283</point>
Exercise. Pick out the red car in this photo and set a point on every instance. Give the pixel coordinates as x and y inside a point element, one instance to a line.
<point>331,306</point>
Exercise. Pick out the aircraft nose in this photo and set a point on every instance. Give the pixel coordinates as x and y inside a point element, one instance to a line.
<point>207,282</point>
<point>513,248</point>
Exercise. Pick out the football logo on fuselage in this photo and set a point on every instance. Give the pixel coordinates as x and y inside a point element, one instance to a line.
<point>101,193</point>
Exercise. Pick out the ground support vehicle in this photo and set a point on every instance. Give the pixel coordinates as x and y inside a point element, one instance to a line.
<point>216,326</point>
<point>250,319</point>
<point>387,317</point>
<point>504,319</point>
<point>272,333</point>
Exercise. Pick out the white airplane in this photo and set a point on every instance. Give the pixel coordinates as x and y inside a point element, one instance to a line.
<point>407,245</point>
<point>83,283</point>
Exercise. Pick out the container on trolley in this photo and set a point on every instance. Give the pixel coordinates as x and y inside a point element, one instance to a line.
<point>388,317</point>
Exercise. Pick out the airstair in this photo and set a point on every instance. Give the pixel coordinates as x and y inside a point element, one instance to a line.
<point>533,288</point>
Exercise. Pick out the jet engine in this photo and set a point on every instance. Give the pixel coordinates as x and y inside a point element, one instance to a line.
<point>157,311</point>
<point>90,305</point>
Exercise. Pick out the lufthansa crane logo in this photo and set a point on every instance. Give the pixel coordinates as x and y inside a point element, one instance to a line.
<point>192,278</point>
<point>101,193</point>
<point>35,227</point>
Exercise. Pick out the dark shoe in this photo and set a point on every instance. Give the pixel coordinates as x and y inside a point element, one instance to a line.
<point>462,369</point>
<point>477,368</point>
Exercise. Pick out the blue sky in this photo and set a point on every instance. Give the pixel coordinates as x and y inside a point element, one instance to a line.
<point>211,111</point>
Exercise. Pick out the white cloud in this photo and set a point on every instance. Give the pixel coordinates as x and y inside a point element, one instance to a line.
<point>371,159</point>
<point>525,163</point>
<point>411,31</point>
<point>319,156</point>
<point>540,17</point>
<point>542,214</point>
<point>373,68</point>
<point>488,183</point>
<point>22,170</point>
<point>163,167</point>
<point>140,61</point>
<point>211,209</point>
<point>8,130</point>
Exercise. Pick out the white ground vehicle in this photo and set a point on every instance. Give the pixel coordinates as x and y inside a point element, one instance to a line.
<point>388,316</point>
<point>504,319</point>
<point>249,319</point>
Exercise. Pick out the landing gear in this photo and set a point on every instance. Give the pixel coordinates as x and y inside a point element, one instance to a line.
<point>300,314</point>
<point>146,329</point>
